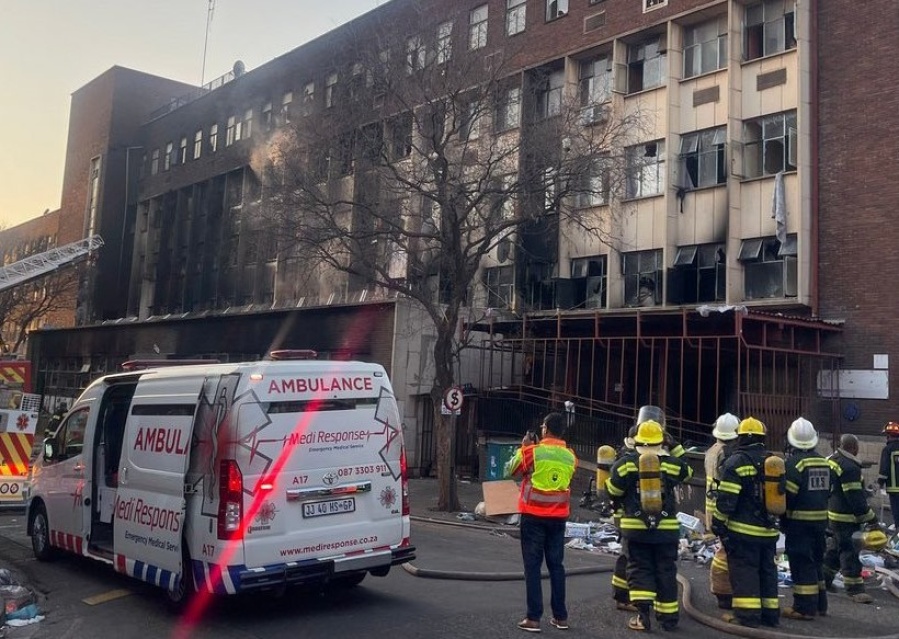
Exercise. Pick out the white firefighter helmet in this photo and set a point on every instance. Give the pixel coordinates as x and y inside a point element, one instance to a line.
<point>726,427</point>
<point>802,434</point>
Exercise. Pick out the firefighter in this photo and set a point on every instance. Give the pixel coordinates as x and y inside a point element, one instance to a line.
<point>642,483</point>
<point>747,530</point>
<point>808,482</point>
<point>620,591</point>
<point>888,477</point>
<point>724,432</point>
<point>847,512</point>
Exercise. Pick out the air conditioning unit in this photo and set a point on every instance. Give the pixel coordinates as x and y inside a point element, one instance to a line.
<point>593,114</point>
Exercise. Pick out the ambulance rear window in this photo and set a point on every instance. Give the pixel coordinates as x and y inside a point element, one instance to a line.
<point>321,405</point>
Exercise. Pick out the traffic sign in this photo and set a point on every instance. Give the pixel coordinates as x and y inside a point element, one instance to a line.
<point>453,399</point>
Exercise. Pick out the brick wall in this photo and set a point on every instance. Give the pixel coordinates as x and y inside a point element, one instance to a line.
<point>859,114</point>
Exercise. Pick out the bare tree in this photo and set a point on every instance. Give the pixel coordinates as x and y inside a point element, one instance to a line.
<point>421,161</point>
<point>23,306</point>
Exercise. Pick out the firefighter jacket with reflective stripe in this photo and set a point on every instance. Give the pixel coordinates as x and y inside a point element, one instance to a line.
<point>740,503</point>
<point>624,487</point>
<point>848,501</point>
<point>808,479</point>
<point>547,469</point>
<point>714,458</point>
<point>889,466</point>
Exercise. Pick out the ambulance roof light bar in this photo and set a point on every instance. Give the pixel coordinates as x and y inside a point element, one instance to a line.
<point>293,354</point>
<point>143,364</point>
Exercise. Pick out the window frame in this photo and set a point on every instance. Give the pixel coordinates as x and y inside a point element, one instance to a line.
<point>498,280</point>
<point>756,36</point>
<point>478,27</point>
<point>593,271</point>
<point>757,255</point>
<point>508,111</point>
<point>588,80</point>
<point>706,267</point>
<point>182,150</point>
<point>652,5</point>
<point>642,169</point>
<point>760,153</point>
<point>516,17</point>
<point>213,138</point>
<point>549,95</point>
<point>198,144</point>
<point>639,64</point>
<point>168,156</point>
<point>247,124</point>
<point>647,264</point>
<point>331,90</point>
<point>556,9</point>
<point>284,111</point>
<point>444,42</point>
<point>719,42</point>
<point>596,184</point>
<point>692,145</point>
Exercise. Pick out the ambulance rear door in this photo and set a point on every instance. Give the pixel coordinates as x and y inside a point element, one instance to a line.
<point>322,462</point>
<point>150,506</point>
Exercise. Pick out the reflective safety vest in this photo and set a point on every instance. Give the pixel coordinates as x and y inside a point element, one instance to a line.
<point>808,481</point>
<point>889,466</point>
<point>624,488</point>
<point>848,502</point>
<point>547,469</point>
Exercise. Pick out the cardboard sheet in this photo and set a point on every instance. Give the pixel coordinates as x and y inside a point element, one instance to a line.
<point>500,497</point>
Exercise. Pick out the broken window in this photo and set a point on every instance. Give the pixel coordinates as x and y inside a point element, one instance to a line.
<point>444,42</point>
<point>549,94</point>
<point>589,279</point>
<point>646,64</point>
<point>415,55</point>
<point>705,47</point>
<point>642,275</point>
<point>770,27</point>
<point>769,267</point>
<point>500,285</point>
<point>769,145</point>
<point>644,169</point>
<point>702,158</point>
<point>594,184</point>
<point>400,136</point>
<point>698,274</point>
<point>556,9</point>
<point>508,111</point>
<point>595,80</point>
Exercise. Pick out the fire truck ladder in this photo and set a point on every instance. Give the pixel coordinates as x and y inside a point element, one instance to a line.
<point>40,264</point>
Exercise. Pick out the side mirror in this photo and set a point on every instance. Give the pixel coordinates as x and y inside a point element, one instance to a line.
<point>49,449</point>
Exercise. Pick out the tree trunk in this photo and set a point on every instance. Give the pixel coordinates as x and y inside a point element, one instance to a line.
<point>448,497</point>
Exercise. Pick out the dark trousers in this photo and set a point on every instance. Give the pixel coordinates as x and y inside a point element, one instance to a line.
<point>841,556</point>
<point>805,550</point>
<point>620,591</point>
<point>753,578</point>
<point>894,508</point>
<point>652,578</point>
<point>544,538</point>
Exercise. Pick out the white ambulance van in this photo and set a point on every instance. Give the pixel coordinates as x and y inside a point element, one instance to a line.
<point>229,478</point>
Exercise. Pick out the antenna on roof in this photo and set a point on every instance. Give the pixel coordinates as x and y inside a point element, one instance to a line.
<point>209,13</point>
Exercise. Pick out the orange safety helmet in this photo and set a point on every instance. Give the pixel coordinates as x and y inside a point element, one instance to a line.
<point>892,428</point>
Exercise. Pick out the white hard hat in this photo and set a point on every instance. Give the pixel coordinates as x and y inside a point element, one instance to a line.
<point>802,434</point>
<point>726,427</point>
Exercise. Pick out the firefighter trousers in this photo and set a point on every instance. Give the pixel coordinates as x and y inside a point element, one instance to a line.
<point>753,579</point>
<point>719,580</point>
<point>841,556</point>
<point>805,550</point>
<point>620,591</point>
<point>652,578</point>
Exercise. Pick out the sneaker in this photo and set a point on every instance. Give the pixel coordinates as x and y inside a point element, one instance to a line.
<point>627,607</point>
<point>529,625</point>
<point>640,623</point>
<point>561,624</point>
<point>862,598</point>
<point>792,613</point>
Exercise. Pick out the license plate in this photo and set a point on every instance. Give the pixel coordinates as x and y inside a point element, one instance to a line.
<point>332,507</point>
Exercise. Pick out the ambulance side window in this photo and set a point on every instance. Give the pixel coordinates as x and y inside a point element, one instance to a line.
<point>72,433</point>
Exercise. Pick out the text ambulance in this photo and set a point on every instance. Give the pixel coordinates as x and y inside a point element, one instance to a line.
<point>19,410</point>
<point>229,477</point>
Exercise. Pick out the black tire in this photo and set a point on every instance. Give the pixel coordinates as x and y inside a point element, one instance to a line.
<point>180,598</point>
<point>40,535</point>
<point>348,581</point>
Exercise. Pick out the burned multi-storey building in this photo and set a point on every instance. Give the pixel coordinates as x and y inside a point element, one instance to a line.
<point>690,261</point>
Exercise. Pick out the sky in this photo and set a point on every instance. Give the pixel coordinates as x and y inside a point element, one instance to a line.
<point>50,48</point>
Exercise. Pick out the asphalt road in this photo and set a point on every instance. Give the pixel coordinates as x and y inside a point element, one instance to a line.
<point>399,605</point>
<point>82,598</point>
